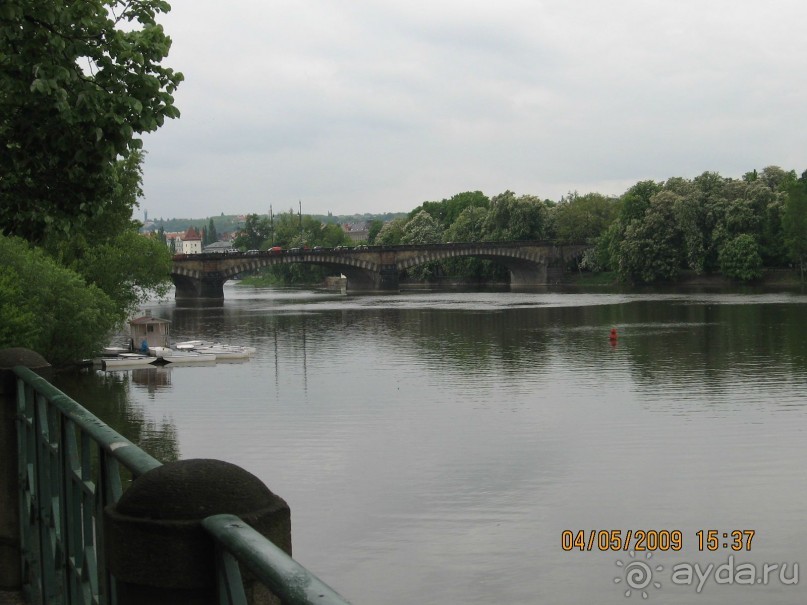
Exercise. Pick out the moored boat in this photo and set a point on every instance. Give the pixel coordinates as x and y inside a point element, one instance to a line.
<point>221,351</point>
<point>127,360</point>
<point>186,357</point>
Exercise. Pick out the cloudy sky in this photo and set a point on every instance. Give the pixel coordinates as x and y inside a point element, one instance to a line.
<point>378,105</point>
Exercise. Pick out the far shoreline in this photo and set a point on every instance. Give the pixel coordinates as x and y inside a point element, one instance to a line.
<point>771,278</point>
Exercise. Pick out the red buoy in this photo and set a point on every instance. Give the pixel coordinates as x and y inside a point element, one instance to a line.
<point>613,335</point>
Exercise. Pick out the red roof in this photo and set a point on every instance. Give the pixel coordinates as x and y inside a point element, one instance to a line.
<point>191,235</point>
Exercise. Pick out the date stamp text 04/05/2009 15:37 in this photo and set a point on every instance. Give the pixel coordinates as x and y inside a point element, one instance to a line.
<point>654,540</point>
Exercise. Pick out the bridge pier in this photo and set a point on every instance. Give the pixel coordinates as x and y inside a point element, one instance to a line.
<point>191,288</point>
<point>388,278</point>
<point>526,275</point>
<point>359,280</point>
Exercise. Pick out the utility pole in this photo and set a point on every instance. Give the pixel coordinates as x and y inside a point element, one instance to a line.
<point>300,214</point>
<point>271,225</point>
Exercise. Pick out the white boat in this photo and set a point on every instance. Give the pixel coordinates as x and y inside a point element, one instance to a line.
<point>189,345</point>
<point>127,360</point>
<point>226,351</point>
<point>221,351</point>
<point>171,356</point>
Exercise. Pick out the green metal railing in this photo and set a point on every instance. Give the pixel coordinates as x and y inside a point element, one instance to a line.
<point>290,581</point>
<point>71,466</point>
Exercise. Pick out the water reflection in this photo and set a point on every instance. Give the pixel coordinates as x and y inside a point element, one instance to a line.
<point>108,396</point>
<point>152,379</point>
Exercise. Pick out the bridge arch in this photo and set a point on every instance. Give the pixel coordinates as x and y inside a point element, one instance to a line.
<point>527,267</point>
<point>344,264</point>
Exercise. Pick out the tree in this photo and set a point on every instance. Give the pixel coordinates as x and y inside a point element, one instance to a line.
<point>604,256</point>
<point>391,233</point>
<point>421,229</point>
<point>78,82</point>
<point>212,235</point>
<point>794,222</point>
<point>512,218</point>
<point>375,227</point>
<point>776,178</point>
<point>772,240</point>
<point>129,268</point>
<point>459,203</point>
<point>739,258</point>
<point>636,200</point>
<point>19,326</point>
<point>108,251</point>
<point>650,249</point>
<point>448,210</point>
<point>469,226</point>
<point>689,217</point>
<point>581,218</point>
<point>255,233</point>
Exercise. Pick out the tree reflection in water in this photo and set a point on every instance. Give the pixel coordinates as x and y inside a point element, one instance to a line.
<point>105,394</point>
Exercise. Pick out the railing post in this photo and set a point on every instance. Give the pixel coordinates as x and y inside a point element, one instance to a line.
<point>10,547</point>
<point>156,547</point>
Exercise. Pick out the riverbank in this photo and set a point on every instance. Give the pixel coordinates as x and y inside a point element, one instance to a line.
<point>771,277</point>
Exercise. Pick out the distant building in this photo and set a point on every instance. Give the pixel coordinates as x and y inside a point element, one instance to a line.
<point>190,242</point>
<point>357,232</point>
<point>220,248</point>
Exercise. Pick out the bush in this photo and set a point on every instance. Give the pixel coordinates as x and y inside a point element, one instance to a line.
<point>48,308</point>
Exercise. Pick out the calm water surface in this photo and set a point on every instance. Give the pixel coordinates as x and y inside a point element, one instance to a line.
<point>433,447</point>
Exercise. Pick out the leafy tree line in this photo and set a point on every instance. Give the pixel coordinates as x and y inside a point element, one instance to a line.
<point>651,233</point>
<point>79,83</point>
<point>708,225</point>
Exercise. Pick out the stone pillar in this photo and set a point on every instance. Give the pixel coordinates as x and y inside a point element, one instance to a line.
<point>388,278</point>
<point>10,562</point>
<point>154,542</point>
<point>189,288</point>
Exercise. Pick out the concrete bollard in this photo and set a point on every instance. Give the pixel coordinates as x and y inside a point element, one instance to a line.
<point>10,562</point>
<point>154,542</point>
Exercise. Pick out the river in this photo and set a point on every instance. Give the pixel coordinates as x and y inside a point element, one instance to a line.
<point>435,446</point>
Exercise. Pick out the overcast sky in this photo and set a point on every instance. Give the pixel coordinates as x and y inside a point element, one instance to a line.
<point>376,106</point>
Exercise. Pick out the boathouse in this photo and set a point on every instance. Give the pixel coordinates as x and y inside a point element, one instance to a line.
<point>153,330</point>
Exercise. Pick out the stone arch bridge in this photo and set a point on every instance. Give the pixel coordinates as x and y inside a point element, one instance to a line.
<point>372,268</point>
